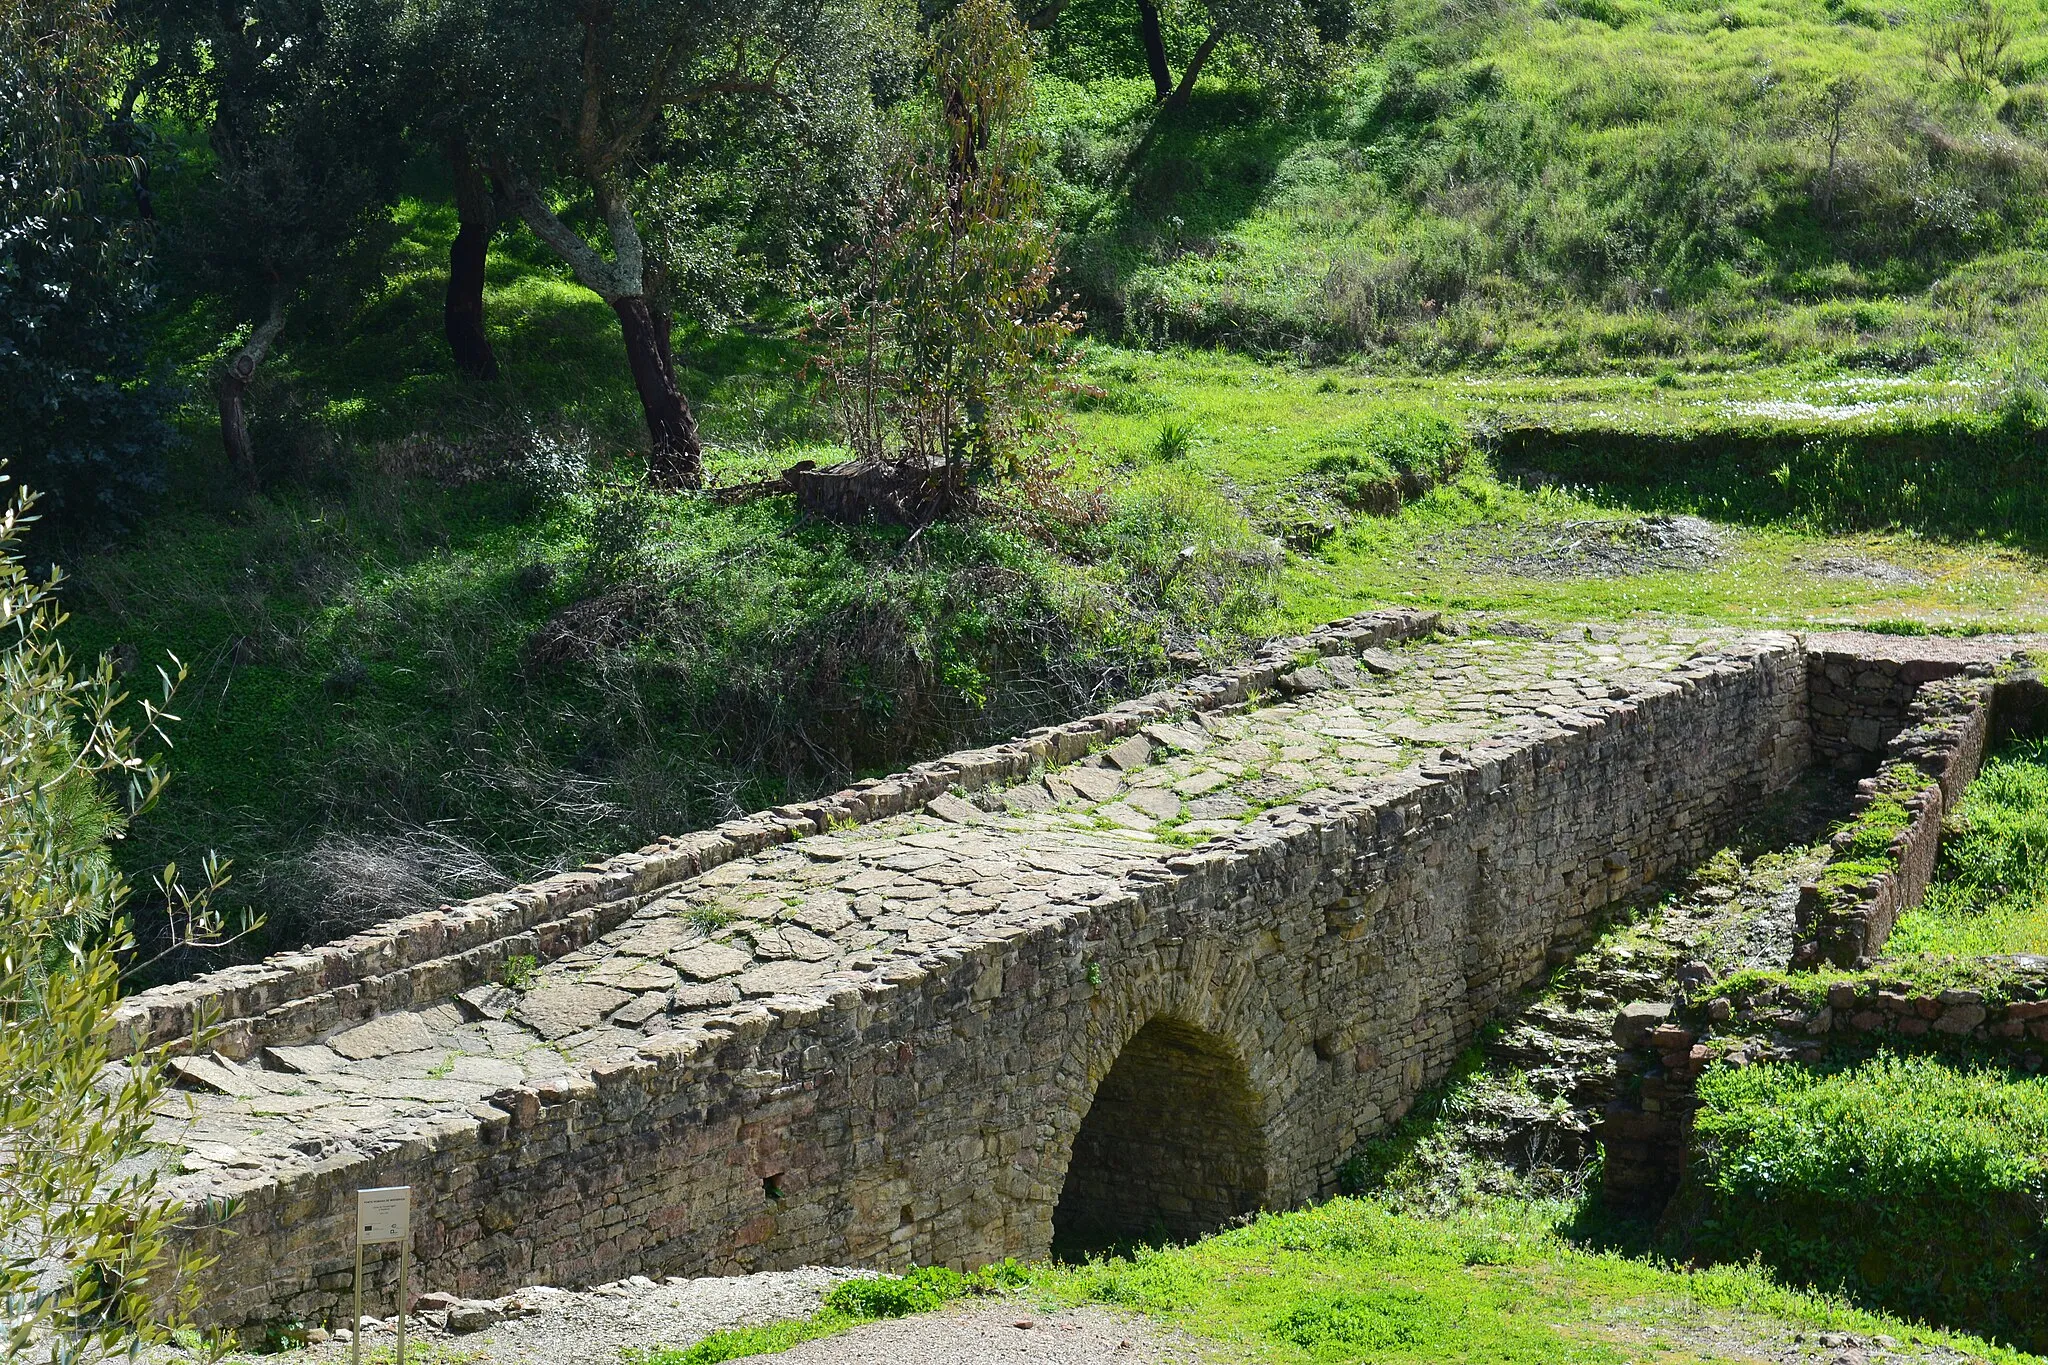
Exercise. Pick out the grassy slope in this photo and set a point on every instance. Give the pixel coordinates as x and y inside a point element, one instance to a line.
<point>1258,430</point>
<point>1502,185</point>
<point>1799,1165</point>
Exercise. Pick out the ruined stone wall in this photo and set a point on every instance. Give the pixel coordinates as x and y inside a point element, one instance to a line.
<point>1845,916</point>
<point>1341,952</point>
<point>1861,688</point>
<point>1648,1137</point>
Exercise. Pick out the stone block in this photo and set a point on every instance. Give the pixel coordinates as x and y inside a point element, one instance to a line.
<point>1638,1019</point>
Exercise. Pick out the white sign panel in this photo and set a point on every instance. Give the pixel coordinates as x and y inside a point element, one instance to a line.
<point>383,1215</point>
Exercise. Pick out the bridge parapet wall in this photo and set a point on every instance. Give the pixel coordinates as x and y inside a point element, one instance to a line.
<point>1338,950</point>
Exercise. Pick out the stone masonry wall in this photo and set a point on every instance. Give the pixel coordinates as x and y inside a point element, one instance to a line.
<point>1926,767</point>
<point>1341,949</point>
<point>1861,687</point>
<point>1957,696</point>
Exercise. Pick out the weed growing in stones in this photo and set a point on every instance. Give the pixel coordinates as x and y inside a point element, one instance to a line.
<point>847,1305</point>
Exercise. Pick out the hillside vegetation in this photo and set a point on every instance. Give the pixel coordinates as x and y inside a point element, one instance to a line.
<point>1571,186</point>
<point>450,639</point>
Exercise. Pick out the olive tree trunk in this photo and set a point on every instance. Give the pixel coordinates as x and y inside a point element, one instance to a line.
<point>462,312</point>
<point>1154,38</point>
<point>231,387</point>
<point>675,457</point>
<point>1179,98</point>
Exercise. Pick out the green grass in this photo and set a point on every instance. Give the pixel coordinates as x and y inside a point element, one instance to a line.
<point>1353,1281</point>
<point>1990,889</point>
<point>1911,1183</point>
<point>1261,434</point>
<point>1503,187</point>
<point>439,688</point>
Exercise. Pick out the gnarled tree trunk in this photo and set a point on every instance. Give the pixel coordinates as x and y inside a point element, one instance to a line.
<point>232,387</point>
<point>462,312</point>
<point>1154,38</point>
<point>1179,98</point>
<point>674,459</point>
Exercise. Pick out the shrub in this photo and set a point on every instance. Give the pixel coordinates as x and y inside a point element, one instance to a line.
<point>1396,454</point>
<point>1906,1181</point>
<point>942,357</point>
<point>77,1195</point>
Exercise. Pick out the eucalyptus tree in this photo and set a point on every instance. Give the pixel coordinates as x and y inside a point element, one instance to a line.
<point>587,107</point>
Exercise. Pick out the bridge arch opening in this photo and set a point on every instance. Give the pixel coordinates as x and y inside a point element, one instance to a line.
<point>1170,1149</point>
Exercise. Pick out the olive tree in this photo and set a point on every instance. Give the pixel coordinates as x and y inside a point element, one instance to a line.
<point>1291,38</point>
<point>581,109</point>
<point>87,1266</point>
<point>296,98</point>
<point>77,407</point>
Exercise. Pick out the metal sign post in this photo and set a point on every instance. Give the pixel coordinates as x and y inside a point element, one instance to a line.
<point>383,1216</point>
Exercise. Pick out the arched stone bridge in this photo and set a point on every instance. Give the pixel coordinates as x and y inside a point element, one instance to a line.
<point>1140,973</point>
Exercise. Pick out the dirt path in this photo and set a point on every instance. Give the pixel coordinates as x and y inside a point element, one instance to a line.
<point>1009,1333</point>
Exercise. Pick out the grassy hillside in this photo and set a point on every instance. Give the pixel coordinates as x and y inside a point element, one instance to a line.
<point>1354,1281</point>
<point>453,643</point>
<point>1574,186</point>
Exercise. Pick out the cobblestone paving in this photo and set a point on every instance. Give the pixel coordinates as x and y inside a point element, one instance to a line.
<point>864,902</point>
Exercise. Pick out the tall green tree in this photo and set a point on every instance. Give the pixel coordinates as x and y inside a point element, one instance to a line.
<point>944,350</point>
<point>582,108</point>
<point>78,410</point>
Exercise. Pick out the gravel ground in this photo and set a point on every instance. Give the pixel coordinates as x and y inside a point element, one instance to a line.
<point>1877,571</point>
<point>998,1334</point>
<point>547,1326</point>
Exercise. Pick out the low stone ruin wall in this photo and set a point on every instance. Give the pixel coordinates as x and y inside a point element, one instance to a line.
<point>1647,1137</point>
<point>1954,705</point>
<point>1845,915</point>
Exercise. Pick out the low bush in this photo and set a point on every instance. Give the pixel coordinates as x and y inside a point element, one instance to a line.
<point>1393,455</point>
<point>1910,1183</point>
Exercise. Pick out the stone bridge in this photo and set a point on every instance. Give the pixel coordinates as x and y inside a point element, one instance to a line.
<point>1140,973</point>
